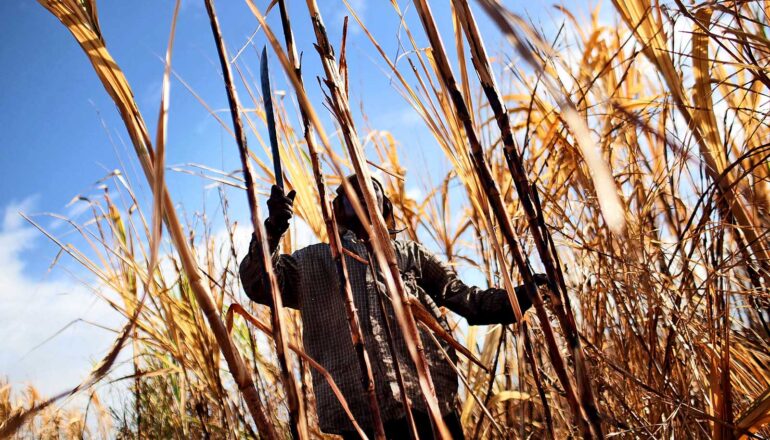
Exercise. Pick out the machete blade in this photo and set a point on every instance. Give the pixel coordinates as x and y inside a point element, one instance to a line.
<point>267,98</point>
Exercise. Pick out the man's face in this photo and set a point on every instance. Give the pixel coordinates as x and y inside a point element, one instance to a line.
<point>347,217</point>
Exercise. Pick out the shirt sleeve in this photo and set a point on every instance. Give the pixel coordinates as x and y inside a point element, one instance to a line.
<point>479,307</point>
<point>257,286</point>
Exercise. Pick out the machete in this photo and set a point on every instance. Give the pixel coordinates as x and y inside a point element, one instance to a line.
<point>267,98</point>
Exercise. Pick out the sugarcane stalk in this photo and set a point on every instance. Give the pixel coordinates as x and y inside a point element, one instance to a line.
<point>529,202</point>
<point>498,209</point>
<point>117,87</point>
<point>297,414</point>
<point>335,244</point>
<point>378,233</point>
<point>392,348</point>
<point>391,276</point>
<point>478,56</point>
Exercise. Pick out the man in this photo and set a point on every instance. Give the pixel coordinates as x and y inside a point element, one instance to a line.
<point>309,282</point>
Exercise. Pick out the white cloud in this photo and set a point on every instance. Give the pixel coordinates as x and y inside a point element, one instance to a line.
<point>37,306</point>
<point>415,193</point>
<point>47,339</point>
<point>400,118</point>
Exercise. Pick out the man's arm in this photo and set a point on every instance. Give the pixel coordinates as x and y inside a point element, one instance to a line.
<point>257,285</point>
<point>479,307</point>
<point>253,275</point>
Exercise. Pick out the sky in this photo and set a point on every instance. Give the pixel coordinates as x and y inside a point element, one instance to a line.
<point>61,134</point>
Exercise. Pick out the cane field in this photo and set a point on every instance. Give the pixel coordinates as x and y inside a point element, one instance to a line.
<point>624,157</point>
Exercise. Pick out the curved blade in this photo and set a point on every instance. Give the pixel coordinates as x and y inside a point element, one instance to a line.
<point>267,98</point>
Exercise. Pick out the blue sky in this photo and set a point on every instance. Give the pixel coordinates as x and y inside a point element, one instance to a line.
<point>61,134</point>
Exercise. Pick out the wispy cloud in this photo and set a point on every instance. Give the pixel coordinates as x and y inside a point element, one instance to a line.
<point>45,319</point>
<point>402,117</point>
<point>36,307</point>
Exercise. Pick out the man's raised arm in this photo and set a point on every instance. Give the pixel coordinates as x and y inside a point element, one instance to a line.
<point>252,268</point>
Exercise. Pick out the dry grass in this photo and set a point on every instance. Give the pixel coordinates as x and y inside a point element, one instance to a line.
<point>632,168</point>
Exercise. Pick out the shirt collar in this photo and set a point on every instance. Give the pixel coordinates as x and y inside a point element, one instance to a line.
<point>348,235</point>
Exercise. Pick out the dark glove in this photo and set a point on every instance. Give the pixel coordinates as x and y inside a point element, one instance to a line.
<point>280,210</point>
<point>540,279</point>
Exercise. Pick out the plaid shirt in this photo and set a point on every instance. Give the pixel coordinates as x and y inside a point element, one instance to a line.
<point>309,282</point>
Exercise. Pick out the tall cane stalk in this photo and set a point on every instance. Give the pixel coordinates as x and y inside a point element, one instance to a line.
<point>498,209</point>
<point>530,202</point>
<point>378,233</point>
<point>296,405</point>
<point>383,249</point>
<point>85,29</point>
<point>367,379</point>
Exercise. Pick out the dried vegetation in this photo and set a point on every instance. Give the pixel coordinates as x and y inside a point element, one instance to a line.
<point>626,161</point>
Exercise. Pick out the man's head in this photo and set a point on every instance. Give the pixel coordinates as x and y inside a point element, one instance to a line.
<point>345,214</point>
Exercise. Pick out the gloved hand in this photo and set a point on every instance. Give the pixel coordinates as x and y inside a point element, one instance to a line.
<point>280,209</point>
<point>540,279</point>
